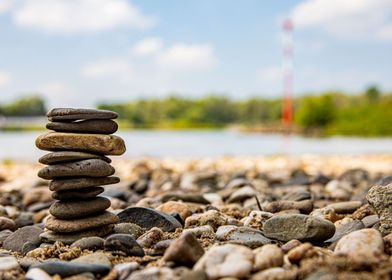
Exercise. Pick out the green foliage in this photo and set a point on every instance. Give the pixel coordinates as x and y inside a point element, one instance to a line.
<point>25,106</point>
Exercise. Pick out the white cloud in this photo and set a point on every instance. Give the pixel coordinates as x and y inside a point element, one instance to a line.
<point>4,79</point>
<point>107,68</point>
<point>147,46</point>
<point>346,18</point>
<point>76,16</point>
<point>186,56</point>
<point>5,5</point>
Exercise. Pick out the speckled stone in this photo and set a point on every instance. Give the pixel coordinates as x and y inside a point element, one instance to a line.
<point>82,168</point>
<point>79,209</point>
<point>92,143</point>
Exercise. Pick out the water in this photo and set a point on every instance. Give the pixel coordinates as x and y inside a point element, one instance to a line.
<point>20,145</point>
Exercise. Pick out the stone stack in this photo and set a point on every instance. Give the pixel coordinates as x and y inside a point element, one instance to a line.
<point>78,168</point>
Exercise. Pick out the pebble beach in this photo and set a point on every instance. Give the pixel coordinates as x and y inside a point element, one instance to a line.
<point>308,217</point>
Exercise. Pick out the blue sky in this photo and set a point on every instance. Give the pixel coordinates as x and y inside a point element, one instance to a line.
<point>79,52</point>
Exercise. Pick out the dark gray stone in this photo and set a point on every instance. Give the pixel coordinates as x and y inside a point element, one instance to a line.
<point>88,168</point>
<point>78,193</point>
<point>86,126</point>
<point>70,114</point>
<point>66,156</point>
<point>80,183</point>
<point>90,243</point>
<point>65,269</point>
<point>148,218</point>
<point>123,243</point>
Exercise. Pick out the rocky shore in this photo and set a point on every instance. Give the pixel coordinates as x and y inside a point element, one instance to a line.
<point>308,217</point>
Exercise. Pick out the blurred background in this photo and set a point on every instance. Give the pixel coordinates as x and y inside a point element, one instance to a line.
<point>202,78</point>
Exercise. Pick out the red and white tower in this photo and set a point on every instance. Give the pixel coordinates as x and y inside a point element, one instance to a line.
<point>287,69</point>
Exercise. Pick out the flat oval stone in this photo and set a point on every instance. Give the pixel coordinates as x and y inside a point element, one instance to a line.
<point>90,243</point>
<point>92,143</point>
<point>124,243</point>
<point>86,126</point>
<point>80,183</point>
<point>67,226</point>
<point>70,114</point>
<point>249,237</point>
<point>88,167</point>
<point>298,226</point>
<point>25,235</point>
<point>148,218</point>
<point>69,238</point>
<point>66,156</point>
<point>78,193</point>
<point>65,269</point>
<point>79,209</point>
<point>345,229</point>
<point>8,263</point>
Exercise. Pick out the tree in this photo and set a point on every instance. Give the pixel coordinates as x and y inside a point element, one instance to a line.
<point>372,93</point>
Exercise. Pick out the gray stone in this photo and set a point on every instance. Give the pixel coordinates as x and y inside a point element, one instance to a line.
<point>65,269</point>
<point>8,263</point>
<point>249,237</point>
<point>66,156</point>
<point>185,250</point>
<point>90,243</point>
<point>51,236</point>
<point>37,274</point>
<point>123,243</point>
<point>86,126</point>
<point>242,194</point>
<point>72,114</point>
<point>91,143</point>
<point>370,221</point>
<point>68,226</point>
<point>345,207</point>
<point>78,194</point>
<point>345,229</point>
<point>27,262</point>
<point>88,168</point>
<point>25,235</point>
<point>124,270</point>
<point>298,226</point>
<point>297,195</point>
<point>80,183</point>
<point>304,206</point>
<point>79,209</point>
<point>148,218</point>
<point>3,235</point>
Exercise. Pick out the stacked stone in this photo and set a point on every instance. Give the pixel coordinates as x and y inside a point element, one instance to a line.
<point>78,168</point>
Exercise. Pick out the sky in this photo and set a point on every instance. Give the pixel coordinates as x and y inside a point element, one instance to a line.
<point>80,52</point>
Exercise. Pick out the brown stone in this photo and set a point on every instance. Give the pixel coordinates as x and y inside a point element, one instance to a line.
<point>79,209</point>
<point>70,114</point>
<point>86,126</point>
<point>66,156</point>
<point>80,183</point>
<point>93,143</point>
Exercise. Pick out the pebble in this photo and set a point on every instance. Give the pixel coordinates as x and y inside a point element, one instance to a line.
<point>148,239</point>
<point>17,241</point>
<point>153,273</point>
<point>300,252</point>
<point>228,260</point>
<point>129,228</point>
<point>65,269</point>
<point>341,190</point>
<point>345,229</point>
<point>364,244</point>
<point>35,195</point>
<point>8,263</point>
<point>345,207</point>
<point>124,270</point>
<point>206,230</point>
<point>242,194</point>
<point>67,239</point>
<point>79,209</point>
<point>298,226</point>
<point>87,167</point>
<point>123,243</point>
<point>78,194</point>
<point>370,221</point>
<point>148,218</point>
<point>94,258</point>
<point>80,183</point>
<point>26,262</point>
<point>91,143</point>
<point>297,195</point>
<point>68,226</point>
<point>275,273</point>
<point>213,218</point>
<point>304,206</point>
<point>90,243</point>
<point>194,197</point>
<point>186,250</point>
<point>6,223</point>
<point>66,156</point>
<point>256,219</point>
<point>249,237</point>
<point>37,274</point>
<point>267,256</point>
<point>71,114</point>
<point>86,126</point>
<point>3,235</point>
<point>173,207</point>
<point>379,197</point>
